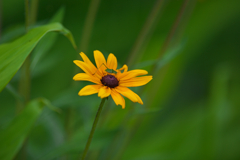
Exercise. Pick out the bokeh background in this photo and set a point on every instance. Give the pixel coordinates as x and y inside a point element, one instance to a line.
<point>191,107</point>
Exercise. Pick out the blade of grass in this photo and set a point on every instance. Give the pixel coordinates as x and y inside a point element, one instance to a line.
<point>14,135</point>
<point>14,54</point>
<point>88,25</point>
<point>121,142</point>
<point>147,28</point>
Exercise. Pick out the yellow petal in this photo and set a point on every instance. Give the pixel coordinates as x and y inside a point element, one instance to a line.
<point>132,74</point>
<point>135,82</point>
<point>112,62</point>
<point>100,61</point>
<point>120,74</point>
<point>125,68</point>
<point>90,65</point>
<point>86,77</point>
<point>117,98</point>
<point>129,94</point>
<point>84,66</point>
<point>89,89</point>
<point>86,60</point>
<point>104,92</point>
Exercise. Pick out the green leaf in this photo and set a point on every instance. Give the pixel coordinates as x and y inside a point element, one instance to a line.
<point>14,54</point>
<point>17,30</point>
<point>47,41</point>
<point>145,64</point>
<point>170,54</point>
<point>58,17</point>
<point>148,110</point>
<point>13,33</point>
<point>167,57</point>
<point>13,136</point>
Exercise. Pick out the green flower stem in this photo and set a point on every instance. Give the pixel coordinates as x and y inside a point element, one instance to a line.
<point>93,129</point>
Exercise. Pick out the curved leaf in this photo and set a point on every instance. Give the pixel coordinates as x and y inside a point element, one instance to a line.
<point>46,42</point>
<point>12,55</point>
<point>13,136</point>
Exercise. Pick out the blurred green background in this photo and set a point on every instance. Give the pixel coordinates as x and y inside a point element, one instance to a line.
<point>191,107</point>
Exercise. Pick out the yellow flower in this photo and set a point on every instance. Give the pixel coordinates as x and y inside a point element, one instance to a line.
<point>112,83</point>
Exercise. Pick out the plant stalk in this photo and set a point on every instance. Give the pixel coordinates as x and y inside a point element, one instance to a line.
<point>1,18</point>
<point>93,128</point>
<point>27,15</point>
<point>83,46</point>
<point>25,79</point>
<point>88,25</point>
<point>33,11</point>
<point>123,142</point>
<point>145,32</point>
<point>171,34</point>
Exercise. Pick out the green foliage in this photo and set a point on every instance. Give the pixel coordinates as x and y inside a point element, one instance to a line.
<point>191,107</point>
<point>13,54</point>
<point>13,136</point>
<point>47,41</point>
<point>73,146</point>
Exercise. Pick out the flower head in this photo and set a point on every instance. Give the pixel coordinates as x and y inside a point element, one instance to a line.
<point>108,79</point>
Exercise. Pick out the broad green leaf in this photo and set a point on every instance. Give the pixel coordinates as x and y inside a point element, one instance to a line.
<point>17,30</point>
<point>14,54</point>
<point>47,41</point>
<point>58,17</point>
<point>13,33</point>
<point>13,136</point>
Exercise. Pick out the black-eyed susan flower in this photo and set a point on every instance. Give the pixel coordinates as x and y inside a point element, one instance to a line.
<point>108,79</point>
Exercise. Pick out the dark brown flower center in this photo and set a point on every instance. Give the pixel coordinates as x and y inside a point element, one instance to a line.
<point>110,81</point>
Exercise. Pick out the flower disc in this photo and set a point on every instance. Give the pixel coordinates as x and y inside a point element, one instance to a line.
<point>110,81</point>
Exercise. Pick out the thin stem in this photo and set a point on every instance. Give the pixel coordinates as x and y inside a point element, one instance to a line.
<point>148,26</point>
<point>27,15</point>
<point>171,33</point>
<point>93,129</point>
<point>0,18</point>
<point>24,82</point>
<point>70,116</point>
<point>123,142</point>
<point>154,70</point>
<point>25,79</point>
<point>34,10</point>
<point>87,29</point>
<point>24,85</point>
<point>83,46</point>
<point>86,34</point>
